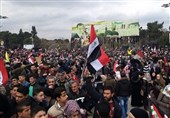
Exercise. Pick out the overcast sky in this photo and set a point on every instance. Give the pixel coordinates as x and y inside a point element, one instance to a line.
<point>54,18</point>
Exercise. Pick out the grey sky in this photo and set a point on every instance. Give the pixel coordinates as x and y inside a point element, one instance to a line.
<point>54,18</point>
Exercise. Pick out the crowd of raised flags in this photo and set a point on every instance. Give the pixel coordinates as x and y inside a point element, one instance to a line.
<point>97,61</point>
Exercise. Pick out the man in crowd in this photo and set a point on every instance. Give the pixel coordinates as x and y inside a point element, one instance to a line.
<point>22,80</point>
<point>33,84</point>
<point>115,109</point>
<point>57,110</point>
<point>123,91</point>
<point>24,109</point>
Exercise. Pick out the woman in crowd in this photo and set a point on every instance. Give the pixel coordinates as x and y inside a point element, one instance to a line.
<point>72,110</point>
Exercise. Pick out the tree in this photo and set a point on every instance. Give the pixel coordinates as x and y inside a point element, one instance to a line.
<point>34,32</point>
<point>27,38</point>
<point>5,37</point>
<point>37,42</point>
<point>164,39</point>
<point>36,39</point>
<point>21,38</point>
<point>154,30</point>
<point>14,41</point>
<point>142,32</point>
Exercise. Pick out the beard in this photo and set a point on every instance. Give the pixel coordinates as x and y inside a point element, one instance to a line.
<point>108,99</point>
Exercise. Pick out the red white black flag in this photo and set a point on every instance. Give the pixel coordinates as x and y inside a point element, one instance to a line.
<point>96,57</point>
<point>3,73</point>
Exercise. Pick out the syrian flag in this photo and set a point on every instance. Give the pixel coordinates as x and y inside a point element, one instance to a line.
<point>96,57</point>
<point>30,54</point>
<point>115,66</point>
<point>139,55</point>
<point>3,73</point>
<point>31,60</point>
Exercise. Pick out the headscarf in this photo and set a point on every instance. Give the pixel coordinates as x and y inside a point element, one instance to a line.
<point>70,107</point>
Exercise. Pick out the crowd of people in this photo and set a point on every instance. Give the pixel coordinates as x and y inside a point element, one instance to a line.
<point>58,84</point>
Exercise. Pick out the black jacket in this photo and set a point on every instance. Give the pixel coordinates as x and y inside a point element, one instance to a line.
<point>117,110</point>
<point>123,88</point>
<point>4,106</point>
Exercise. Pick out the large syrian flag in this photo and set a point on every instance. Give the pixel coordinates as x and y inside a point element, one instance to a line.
<point>96,57</point>
<point>3,73</point>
